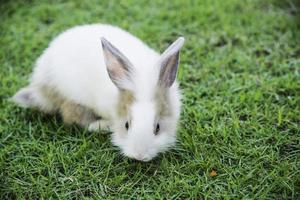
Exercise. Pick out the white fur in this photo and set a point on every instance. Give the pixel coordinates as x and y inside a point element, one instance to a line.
<point>73,64</point>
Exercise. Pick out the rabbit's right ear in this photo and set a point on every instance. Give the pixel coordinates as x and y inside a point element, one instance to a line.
<point>118,66</point>
<point>169,63</point>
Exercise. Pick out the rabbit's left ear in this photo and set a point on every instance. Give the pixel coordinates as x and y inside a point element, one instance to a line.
<point>169,63</point>
<point>118,66</point>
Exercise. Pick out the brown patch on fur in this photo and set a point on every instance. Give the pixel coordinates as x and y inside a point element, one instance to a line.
<point>52,96</point>
<point>70,111</point>
<point>75,113</point>
<point>162,100</point>
<point>126,98</point>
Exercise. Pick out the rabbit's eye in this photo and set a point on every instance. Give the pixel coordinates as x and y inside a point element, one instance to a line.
<point>127,126</point>
<point>157,129</point>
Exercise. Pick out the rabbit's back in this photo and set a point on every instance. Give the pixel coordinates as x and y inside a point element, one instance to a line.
<point>73,64</point>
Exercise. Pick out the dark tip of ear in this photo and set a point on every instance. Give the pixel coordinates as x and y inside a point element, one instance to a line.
<point>104,42</point>
<point>111,48</point>
<point>103,39</point>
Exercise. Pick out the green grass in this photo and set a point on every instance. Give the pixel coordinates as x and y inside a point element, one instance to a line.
<point>241,109</point>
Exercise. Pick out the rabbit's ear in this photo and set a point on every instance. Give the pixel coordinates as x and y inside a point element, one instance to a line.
<point>118,66</point>
<point>169,63</point>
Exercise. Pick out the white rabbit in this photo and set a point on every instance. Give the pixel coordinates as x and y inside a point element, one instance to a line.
<point>134,93</point>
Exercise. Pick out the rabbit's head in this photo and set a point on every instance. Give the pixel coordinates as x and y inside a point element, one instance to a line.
<point>149,102</point>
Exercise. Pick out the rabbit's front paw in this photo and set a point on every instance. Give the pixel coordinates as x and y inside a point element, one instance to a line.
<point>99,125</point>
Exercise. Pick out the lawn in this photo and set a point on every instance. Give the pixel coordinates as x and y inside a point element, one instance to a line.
<point>240,78</point>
